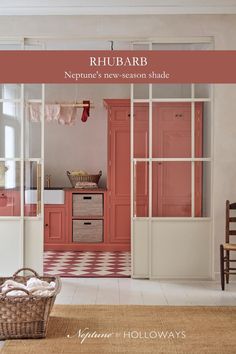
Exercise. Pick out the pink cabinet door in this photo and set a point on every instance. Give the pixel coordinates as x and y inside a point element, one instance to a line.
<point>9,202</point>
<point>54,224</point>
<point>172,180</point>
<point>119,184</point>
<point>119,169</point>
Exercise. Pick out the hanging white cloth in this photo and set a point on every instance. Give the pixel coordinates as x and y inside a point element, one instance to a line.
<point>64,115</point>
<point>52,112</point>
<point>35,112</point>
<point>67,116</point>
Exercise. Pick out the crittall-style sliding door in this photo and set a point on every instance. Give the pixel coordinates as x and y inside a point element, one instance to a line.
<point>21,171</point>
<point>171,176</point>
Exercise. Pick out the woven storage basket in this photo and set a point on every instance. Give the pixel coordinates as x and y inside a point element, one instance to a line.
<point>83,178</point>
<point>26,316</point>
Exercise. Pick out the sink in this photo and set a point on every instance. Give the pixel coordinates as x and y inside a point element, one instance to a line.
<point>51,196</point>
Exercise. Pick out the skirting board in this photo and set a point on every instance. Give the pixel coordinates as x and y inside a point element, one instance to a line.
<point>217,277</point>
<point>172,279</point>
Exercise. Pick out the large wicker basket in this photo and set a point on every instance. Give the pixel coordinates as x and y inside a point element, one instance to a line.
<point>26,316</point>
<point>83,178</point>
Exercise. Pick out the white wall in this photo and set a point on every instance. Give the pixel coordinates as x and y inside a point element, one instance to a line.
<point>221,27</point>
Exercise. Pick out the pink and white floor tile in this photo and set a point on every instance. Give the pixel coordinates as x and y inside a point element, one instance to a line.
<point>88,264</point>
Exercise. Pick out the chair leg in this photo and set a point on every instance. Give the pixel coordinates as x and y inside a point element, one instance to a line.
<point>227,267</point>
<point>222,275</point>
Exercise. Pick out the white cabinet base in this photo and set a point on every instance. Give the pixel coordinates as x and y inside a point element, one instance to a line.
<point>174,249</point>
<point>34,245</point>
<point>139,252</point>
<point>11,251</point>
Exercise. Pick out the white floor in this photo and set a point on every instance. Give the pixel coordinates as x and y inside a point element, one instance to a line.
<point>145,292</point>
<point>121,291</point>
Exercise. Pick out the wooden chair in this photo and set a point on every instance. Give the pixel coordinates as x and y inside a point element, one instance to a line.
<point>227,247</point>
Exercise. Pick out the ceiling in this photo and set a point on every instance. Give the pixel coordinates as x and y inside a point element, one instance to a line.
<point>115,7</point>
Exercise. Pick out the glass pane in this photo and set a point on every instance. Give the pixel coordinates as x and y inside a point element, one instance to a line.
<point>203,129</point>
<point>75,44</point>
<point>171,91</point>
<point>141,91</point>
<point>140,46</point>
<point>9,188</point>
<point>10,130</point>
<point>10,45</point>
<point>182,46</point>
<point>202,91</point>
<point>141,130</point>
<point>141,173</point>
<point>171,189</point>
<point>33,130</point>
<point>10,91</point>
<point>171,130</point>
<point>33,92</point>
<point>30,184</point>
<point>33,44</point>
<point>202,189</point>
<point>33,112</point>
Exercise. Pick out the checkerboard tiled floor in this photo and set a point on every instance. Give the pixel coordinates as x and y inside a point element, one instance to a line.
<point>87,264</point>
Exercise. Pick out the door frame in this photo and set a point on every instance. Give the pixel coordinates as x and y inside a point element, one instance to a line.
<point>148,232</point>
<point>28,230</point>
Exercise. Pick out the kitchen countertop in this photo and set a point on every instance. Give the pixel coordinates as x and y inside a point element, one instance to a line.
<point>85,190</point>
<point>58,188</point>
<point>73,189</point>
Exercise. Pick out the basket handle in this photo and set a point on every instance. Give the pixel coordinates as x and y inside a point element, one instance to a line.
<point>22,269</point>
<point>58,285</point>
<point>13,289</point>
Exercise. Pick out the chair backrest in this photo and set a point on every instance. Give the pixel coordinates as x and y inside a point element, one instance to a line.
<point>229,231</point>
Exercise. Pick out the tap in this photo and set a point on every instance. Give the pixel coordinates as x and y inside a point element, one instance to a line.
<point>48,181</point>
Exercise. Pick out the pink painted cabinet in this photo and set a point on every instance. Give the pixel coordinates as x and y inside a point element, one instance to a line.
<point>118,174</point>
<point>118,177</point>
<point>80,224</point>
<point>171,181</point>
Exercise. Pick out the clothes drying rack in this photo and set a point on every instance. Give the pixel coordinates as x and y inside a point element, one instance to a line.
<point>65,104</point>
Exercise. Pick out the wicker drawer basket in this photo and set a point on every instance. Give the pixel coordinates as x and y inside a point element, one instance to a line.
<point>88,231</point>
<point>87,205</point>
<point>26,316</point>
<point>83,178</point>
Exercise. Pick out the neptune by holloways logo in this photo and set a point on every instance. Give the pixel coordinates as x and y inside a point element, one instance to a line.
<point>84,334</point>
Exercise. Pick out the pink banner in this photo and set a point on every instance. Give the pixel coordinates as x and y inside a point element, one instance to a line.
<point>118,66</point>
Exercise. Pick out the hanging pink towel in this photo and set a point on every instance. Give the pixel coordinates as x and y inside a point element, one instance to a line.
<point>67,115</point>
<point>52,112</point>
<point>35,112</point>
<point>85,113</point>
